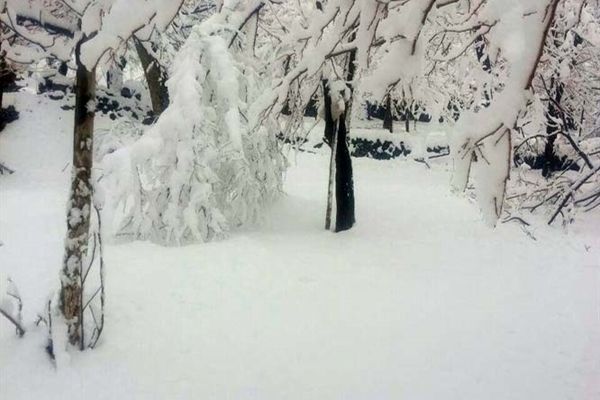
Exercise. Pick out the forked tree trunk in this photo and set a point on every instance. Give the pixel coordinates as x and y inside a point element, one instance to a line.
<point>388,120</point>
<point>155,78</point>
<point>340,195</point>
<point>80,204</point>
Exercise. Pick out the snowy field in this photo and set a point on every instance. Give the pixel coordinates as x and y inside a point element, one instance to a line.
<point>419,301</point>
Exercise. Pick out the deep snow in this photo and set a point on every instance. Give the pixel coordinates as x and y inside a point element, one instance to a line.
<point>419,301</point>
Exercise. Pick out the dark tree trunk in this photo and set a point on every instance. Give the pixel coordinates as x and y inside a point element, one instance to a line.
<point>388,119</point>
<point>114,75</point>
<point>341,183</point>
<point>80,203</point>
<point>344,182</point>
<point>7,77</point>
<point>554,113</point>
<point>156,78</point>
<point>7,82</point>
<point>340,199</point>
<point>551,161</point>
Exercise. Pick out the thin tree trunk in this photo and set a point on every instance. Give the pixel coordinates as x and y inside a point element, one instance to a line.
<point>155,78</point>
<point>7,76</point>
<point>80,204</point>
<point>286,110</point>
<point>330,138</point>
<point>388,120</point>
<point>7,82</point>
<point>551,160</point>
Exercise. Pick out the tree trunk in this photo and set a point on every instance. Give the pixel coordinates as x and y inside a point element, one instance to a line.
<point>551,160</point>
<point>286,110</point>
<point>388,120</point>
<point>340,201</point>
<point>7,82</point>
<point>155,78</point>
<point>344,184</point>
<point>329,136</point>
<point>7,76</point>
<point>80,204</point>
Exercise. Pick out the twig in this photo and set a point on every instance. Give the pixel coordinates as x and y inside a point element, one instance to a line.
<point>569,195</point>
<point>4,169</point>
<point>18,325</point>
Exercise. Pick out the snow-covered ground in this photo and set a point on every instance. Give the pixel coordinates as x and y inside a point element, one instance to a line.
<point>419,301</point>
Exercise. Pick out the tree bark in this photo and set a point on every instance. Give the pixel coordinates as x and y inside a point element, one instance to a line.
<point>329,136</point>
<point>156,78</point>
<point>80,203</point>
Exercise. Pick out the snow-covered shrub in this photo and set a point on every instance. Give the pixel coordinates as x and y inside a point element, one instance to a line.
<point>199,171</point>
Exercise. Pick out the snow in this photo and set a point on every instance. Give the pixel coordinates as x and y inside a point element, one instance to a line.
<point>421,300</point>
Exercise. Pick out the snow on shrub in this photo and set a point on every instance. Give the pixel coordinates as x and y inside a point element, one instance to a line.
<point>199,171</point>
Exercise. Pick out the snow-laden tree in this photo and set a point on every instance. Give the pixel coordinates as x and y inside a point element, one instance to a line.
<point>560,129</point>
<point>418,47</point>
<point>86,30</point>
<point>200,171</point>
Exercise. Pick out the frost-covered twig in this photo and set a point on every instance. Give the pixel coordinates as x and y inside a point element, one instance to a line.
<point>6,305</point>
<point>12,319</point>
<point>99,325</point>
<point>5,170</point>
<point>568,195</point>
